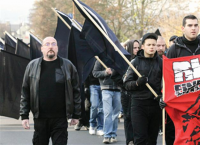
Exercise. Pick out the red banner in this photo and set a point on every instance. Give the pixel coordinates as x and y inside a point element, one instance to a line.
<point>182,96</point>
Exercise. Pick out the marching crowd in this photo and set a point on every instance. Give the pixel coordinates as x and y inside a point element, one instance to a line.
<point>51,91</point>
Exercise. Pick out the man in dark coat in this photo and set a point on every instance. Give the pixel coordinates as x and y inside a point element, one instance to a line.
<point>50,90</point>
<point>145,112</point>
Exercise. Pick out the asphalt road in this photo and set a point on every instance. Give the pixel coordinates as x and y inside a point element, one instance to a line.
<point>12,133</point>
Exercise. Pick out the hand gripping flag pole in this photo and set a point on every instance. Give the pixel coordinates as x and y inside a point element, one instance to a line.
<point>113,44</point>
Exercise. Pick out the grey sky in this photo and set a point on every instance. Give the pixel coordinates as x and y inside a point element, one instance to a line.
<point>15,11</point>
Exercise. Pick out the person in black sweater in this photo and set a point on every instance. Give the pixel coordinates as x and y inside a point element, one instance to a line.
<point>187,45</point>
<point>51,91</point>
<point>145,111</point>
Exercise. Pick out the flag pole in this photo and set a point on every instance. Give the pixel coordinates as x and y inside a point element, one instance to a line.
<point>2,41</point>
<point>35,36</point>
<point>61,18</point>
<point>81,29</point>
<point>10,36</point>
<point>163,114</point>
<point>113,44</point>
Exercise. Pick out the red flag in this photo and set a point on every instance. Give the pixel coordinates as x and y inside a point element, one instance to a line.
<point>182,96</point>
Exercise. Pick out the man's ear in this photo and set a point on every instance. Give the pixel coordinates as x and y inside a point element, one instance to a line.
<point>182,28</point>
<point>142,46</point>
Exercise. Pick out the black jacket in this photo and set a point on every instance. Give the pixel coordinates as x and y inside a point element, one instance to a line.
<point>144,65</point>
<point>105,80</point>
<point>30,89</point>
<point>179,49</point>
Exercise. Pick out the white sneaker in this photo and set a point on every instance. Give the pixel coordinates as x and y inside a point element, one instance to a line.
<point>100,132</point>
<point>113,139</point>
<point>92,131</point>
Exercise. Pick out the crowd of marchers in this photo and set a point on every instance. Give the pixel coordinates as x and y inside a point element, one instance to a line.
<point>50,90</point>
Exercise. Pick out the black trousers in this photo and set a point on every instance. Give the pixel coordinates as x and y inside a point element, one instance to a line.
<point>145,121</point>
<point>169,131</point>
<point>126,105</point>
<point>54,128</point>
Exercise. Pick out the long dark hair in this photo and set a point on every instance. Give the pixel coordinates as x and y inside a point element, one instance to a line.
<point>129,47</point>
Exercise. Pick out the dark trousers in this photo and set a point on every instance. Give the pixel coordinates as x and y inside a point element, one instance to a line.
<point>145,121</point>
<point>56,128</point>
<point>126,105</point>
<point>169,131</point>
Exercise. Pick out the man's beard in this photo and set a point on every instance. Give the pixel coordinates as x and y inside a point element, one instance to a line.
<point>160,53</point>
<point>50,56</point>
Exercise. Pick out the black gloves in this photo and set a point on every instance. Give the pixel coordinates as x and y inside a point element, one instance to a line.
<point>141,81</point>
<point>158,98</point>
<point>162,104</point>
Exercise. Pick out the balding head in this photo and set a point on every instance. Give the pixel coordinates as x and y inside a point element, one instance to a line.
<point>48,38</point>
<point>49,49</point>
<point>161,45</point>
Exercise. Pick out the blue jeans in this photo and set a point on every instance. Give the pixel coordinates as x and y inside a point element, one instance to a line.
<point>111,108</point>
<point>96,109</point>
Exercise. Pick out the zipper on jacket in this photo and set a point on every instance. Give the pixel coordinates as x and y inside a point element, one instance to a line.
<point>197,49</point>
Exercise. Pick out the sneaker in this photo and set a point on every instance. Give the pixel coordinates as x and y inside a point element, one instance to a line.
<point>113,139</point>
<point>100,132</point>
<point>78,126</point>
<point>92,130</point>
<point>120,115</point>
<point>106,140</point>
<point>130,143</point>
<point>86,127</point>
<point>160,132</point>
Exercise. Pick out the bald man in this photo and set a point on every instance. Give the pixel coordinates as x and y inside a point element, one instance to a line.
<point>50,90</point>
<point>160,46</point>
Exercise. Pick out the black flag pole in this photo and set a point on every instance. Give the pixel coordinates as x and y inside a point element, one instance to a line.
<point>80,29</point>
<point>113,44</point>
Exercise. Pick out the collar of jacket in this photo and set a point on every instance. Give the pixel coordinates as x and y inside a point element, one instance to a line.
<point>58,57</point>
<point>140,54</point>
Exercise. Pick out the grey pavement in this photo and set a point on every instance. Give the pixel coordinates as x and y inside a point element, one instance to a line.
<point>12,133</point>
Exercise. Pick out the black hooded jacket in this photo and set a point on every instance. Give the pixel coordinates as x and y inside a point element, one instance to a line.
<point>179,49</point>
<point>149,67</point>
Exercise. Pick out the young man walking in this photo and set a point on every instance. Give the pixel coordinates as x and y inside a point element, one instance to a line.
<point>145,111</point>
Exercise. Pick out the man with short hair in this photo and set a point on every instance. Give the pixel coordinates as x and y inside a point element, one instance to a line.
<point>145,111</point>
<point>187,45</point>
<point>172,40</point>
<point>161,46</point>
<point>50,90</point>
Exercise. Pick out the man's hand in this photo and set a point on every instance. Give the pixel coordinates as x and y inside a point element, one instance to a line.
<point>158,98</point>
<point>25,124</point>
<point>74,121</point>
<point>141,81</point>
<point>162,104</point>
<point>108,71</point>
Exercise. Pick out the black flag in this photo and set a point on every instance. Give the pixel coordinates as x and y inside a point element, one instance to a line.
<point>10,41</point>
<point>62,34</point>
<point>22,49</point>
<point>158,32</point>
<point>9,48</point>
<point>80,54</point>
<point>35,47</point>
<point>12,68</point>
<point>99,44</point>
